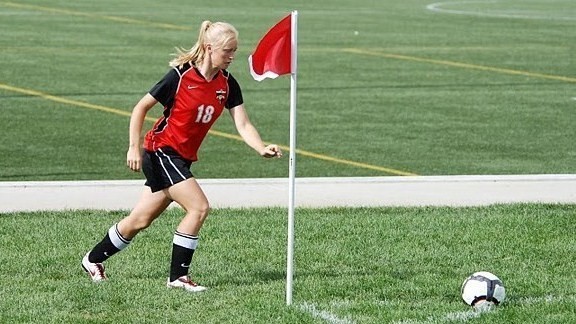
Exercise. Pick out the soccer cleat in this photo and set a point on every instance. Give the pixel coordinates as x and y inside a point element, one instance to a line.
<point>185,283</point>
<point>95,270</point>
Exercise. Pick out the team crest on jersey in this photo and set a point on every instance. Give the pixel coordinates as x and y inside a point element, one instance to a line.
<point>220,95</point>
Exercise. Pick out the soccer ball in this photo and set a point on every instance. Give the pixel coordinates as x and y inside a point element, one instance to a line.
<point>483,288</point>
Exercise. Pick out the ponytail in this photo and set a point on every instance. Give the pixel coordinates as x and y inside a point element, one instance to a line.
<point>196,53</point>
<point>217,33</point>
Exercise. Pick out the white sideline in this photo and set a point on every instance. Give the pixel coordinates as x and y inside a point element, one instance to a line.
<point>310,192</point>
<point>439,7</point>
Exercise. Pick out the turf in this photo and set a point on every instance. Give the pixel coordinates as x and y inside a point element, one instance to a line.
<point>390,85</point>
<point>384,88</point>
<point>352,265</point>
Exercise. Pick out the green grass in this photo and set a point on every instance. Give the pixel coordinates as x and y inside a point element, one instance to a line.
<point>364,265</point>
<point>388,97</point>
<point>415,91</point>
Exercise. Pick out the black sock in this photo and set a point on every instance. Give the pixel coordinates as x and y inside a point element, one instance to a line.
<point>183,248</point>
<point>112,243</point>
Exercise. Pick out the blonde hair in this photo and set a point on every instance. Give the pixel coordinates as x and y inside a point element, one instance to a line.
<point>218,34</point>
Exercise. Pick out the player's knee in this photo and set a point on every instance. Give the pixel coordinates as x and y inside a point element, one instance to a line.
<point>203,210</point>
<point>198,210</point>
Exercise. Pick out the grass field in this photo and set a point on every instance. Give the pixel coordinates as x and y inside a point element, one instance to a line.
<point>384,88</point>
<point>466,88</point>
<point>353,265</point>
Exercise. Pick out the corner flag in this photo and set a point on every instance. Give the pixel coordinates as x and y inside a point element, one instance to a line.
<point>272,56</point>
<point>275,55</point>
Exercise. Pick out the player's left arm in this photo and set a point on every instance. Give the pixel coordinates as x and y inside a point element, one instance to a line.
<point>250,135</point>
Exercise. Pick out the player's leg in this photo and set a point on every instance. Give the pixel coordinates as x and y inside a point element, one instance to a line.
<point>192,199</point>
<point>119,236</point>
<point>147,209</point>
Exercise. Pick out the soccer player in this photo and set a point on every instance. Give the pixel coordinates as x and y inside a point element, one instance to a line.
<point>194,93</point>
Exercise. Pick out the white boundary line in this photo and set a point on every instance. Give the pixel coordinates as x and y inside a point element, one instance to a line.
<point>464,316</point>
<point>327,316</point>
<point>437,7</point>
<point>460,316</point>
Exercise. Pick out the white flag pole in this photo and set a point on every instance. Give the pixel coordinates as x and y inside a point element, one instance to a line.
<point>292,158</point>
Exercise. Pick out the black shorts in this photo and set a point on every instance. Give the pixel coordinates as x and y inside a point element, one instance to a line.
<point>164,168</point>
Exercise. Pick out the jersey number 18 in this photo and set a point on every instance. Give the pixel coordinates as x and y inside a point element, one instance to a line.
<point>205,114</point>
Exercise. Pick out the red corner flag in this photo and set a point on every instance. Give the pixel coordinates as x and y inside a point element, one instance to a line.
<point>272,56</point>
<point>275,55</point>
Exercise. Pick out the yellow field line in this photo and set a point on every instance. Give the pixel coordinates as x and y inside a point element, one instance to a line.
<point>91,15</point>
<point>352,163</point>
<point>327,158</point>
<point>62,100</point>
<point>348,50</point>
<point>460,65</point>
<point>50,97</point>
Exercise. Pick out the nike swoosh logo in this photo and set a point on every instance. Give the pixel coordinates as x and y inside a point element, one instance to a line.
<point>106,254</point>
<point>185,265</point>
<point>192,87</point>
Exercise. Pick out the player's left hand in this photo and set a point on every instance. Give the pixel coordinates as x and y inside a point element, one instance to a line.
<point>271,150</point>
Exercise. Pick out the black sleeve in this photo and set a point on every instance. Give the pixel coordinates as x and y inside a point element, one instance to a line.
<point>235,95</point>
<point>165,89</point>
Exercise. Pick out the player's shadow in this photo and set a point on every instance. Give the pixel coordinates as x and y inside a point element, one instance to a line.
<point>271,275</point>
<point>250,277</point>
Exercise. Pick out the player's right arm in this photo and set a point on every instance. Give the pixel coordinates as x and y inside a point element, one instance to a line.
<point>134,155</point>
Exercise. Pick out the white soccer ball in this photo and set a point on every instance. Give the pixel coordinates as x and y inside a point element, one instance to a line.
<point>483,288</point>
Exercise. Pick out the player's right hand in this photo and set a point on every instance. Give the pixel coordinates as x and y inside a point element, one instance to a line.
<point>134,159</point>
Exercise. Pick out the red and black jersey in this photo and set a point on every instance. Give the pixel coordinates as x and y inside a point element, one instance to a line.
<point>191,105</point>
